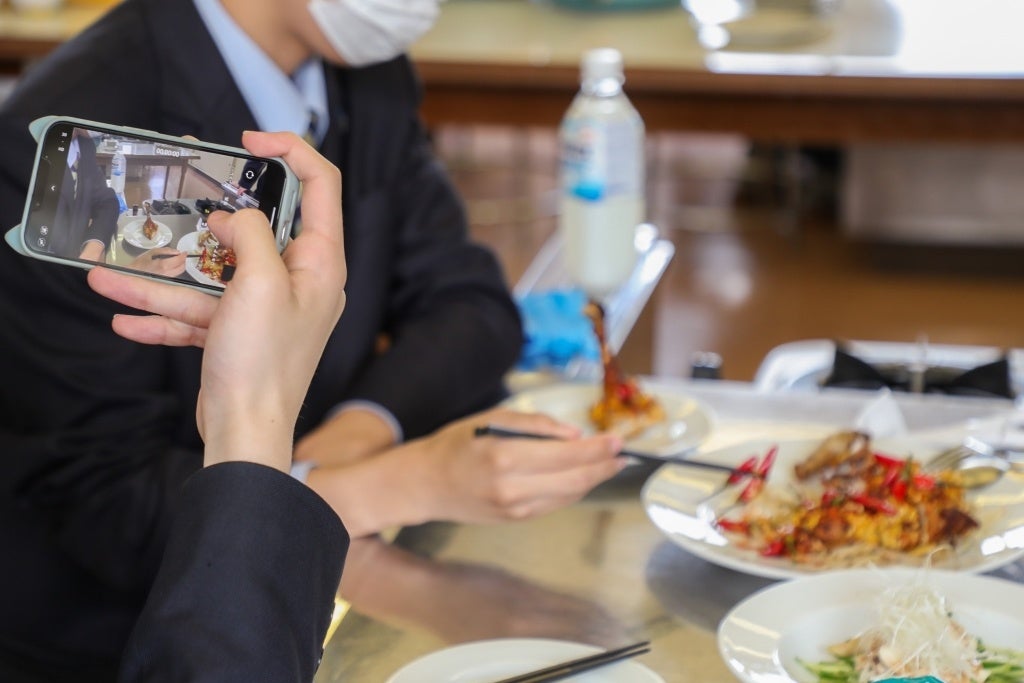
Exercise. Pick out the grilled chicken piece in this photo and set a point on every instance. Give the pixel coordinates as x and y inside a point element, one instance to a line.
<point>848,449</point>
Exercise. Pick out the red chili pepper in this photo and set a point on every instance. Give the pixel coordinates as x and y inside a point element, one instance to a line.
<point>873,504</point>
<point>736,526</point>
<point>751,490</point>
<point>892,476</point>
<point>924,482</point>
<point>774,548</point>
<point>745,468</point>
<point>888,461</point>
<point>899,489</point>
<point>766,463</point>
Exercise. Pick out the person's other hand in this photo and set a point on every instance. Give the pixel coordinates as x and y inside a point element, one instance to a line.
<point>348,437</point>
<point>256,369</point>
<point>480,479</point>
<point>160,261</point>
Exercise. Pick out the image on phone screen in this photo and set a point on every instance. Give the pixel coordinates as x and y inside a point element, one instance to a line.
<point>141,204</point>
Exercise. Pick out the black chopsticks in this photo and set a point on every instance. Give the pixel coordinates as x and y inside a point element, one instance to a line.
<point>502,432</point>
<point>575,666</point>
<point>165,255</point>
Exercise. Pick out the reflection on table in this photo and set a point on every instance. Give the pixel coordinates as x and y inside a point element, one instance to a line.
<point>597,572</point>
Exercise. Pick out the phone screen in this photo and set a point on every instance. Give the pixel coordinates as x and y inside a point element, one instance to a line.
<point>141,203</point>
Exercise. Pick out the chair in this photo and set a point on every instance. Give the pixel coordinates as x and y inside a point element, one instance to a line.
<point>805,365</point>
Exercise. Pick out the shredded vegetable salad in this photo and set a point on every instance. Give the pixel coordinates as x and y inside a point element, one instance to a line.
<point>916,635</point>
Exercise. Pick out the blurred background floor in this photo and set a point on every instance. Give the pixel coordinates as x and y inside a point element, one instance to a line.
<point>748,274</point>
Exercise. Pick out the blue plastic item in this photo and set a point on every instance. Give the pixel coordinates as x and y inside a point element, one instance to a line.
<point>557,330</point>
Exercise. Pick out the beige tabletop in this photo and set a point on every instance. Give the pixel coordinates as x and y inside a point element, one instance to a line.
<point>597,572</point>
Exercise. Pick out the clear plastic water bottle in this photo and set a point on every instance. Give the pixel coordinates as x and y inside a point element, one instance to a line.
<point>118,168</point>
<point>602,177</point>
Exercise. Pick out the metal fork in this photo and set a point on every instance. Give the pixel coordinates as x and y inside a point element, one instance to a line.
<point>951,458</point>
<point>973,449</point>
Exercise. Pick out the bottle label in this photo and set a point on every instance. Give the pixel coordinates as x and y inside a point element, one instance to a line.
<point>601,159</point>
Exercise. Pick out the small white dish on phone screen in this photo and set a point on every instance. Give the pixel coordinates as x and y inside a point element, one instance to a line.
<point>134,236</point>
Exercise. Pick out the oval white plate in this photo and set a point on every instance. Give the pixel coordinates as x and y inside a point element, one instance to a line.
<point>686,422</point>
<point>190,244</point>
<point>133,234</point>
<point>676,500</point>
<point>762,637</point>
<point>491,660</point>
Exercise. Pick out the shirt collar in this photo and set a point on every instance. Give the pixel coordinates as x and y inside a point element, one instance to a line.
<point>73,152</point>
<point>277,101</point>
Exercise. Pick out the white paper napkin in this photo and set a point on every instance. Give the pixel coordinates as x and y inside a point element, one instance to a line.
<point>881,417</point>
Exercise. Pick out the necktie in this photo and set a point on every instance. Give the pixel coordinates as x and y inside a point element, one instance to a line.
<point>311,136</point>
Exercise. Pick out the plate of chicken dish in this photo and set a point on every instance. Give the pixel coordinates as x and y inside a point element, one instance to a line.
<point>807,506</point>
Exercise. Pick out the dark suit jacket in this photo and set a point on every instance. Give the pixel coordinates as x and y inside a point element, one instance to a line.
<point>246,589</point>
<point>97,434</point>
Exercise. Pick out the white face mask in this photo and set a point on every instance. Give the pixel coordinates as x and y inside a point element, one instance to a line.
<point>370,31</point>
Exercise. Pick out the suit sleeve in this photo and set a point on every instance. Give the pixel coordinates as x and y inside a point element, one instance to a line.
<point>246,589</point>
<point>453,325</point>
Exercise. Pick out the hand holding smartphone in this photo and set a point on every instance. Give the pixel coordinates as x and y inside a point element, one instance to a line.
<point>138,201</point>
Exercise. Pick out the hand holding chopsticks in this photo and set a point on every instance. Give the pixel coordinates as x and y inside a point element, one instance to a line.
<point>575,666</point>
<point>735,473</point>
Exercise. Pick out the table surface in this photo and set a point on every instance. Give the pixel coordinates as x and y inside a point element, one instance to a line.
<point>597,572</point>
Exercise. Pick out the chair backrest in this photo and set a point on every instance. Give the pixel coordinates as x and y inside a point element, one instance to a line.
<point>806,364</point>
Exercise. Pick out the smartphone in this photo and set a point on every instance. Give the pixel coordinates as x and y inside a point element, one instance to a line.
<point>137,200</point>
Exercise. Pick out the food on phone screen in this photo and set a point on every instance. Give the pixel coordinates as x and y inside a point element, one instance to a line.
<point>215,261</point>
<point>149,227</point>
<point>622,407</point>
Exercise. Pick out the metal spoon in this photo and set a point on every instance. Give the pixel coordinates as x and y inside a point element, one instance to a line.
<point>982,470</point>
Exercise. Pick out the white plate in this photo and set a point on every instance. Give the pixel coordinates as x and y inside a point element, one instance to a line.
<point>686,421</point>
<point>491,660</point>
<point>190,244</point>
<point>761,638</point>
<point>133,234</point>
<point>676,500</point>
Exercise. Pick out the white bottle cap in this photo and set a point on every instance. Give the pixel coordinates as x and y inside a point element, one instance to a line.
<point>602,63</point>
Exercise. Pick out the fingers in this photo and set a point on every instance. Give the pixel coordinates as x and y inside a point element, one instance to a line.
<point>158,330</point>
<point>186,306</point>
<point>529,422</point>
<point>526,457</point>
<point>520,497</point>
<point>248,233</point>
<point>321,181</point>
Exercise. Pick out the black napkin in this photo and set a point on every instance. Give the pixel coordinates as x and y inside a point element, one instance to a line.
<point>990,380</point>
